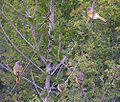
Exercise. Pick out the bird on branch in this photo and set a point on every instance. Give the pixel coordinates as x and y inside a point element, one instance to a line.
<point>17,70</point>
<point>94,15</point>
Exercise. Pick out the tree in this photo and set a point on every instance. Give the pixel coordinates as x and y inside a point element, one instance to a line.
<point>54,42</point>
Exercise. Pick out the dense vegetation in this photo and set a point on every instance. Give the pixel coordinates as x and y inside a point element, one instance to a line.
<point>27,33</point>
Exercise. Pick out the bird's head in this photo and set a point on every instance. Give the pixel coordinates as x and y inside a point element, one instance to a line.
<point>17,63</point>
<point>89,9</point>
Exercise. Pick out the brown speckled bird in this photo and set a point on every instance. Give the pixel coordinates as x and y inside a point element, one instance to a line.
<point>17,70</point>
<point>79,78</point>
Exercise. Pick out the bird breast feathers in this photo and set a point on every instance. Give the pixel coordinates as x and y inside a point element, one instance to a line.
<point>17,69</point>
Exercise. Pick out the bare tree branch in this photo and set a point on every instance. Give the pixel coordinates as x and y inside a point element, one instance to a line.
<point>27,65</point>
<point>71,74</point>
<point>34,82</point>
<point>34,37</point>
<point>84,93</point>
<point>5,67</point>
<point>14,8</point>
<point>106,88</point>
<point>62,62</point>
<point>50,32</point>
<point>59,71</point>
<point>36,45</point>
<point>4,94</point>
<point>59,47</point>
<point>13,87</point>
<point>11,23</point>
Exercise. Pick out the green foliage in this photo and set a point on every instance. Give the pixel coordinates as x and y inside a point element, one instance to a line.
<point>95,52</point>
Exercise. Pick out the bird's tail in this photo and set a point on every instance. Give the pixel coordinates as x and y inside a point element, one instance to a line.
<point>102,19</point>
<point>17,80</point>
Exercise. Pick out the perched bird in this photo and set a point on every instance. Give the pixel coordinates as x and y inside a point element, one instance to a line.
<point>79,78</point>
<point>94,15</point>
<point>17,70</point>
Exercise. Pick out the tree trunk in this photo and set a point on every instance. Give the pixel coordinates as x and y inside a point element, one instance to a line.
<point>48,66</point>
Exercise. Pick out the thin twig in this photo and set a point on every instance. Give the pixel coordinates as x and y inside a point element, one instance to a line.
<point>107,87</point>
<point>87,21</point>
<point>84,93</point>
<point>10,72</point>
<point>36,45</point>
<point>59,47</point>
<point>59,71</point>
<point>71,74</point>
<point>15,8</point>
<point>34,82</point>
<point>5,67</point>
<point>28,13</point>
<point>34,37</point>
<point>1,96</point>
<point>11,23</point>
<point>13,87</point>
<point>26,66</point>
<point>62,62</point>
<point>64,59</point>
<point>93,4</point>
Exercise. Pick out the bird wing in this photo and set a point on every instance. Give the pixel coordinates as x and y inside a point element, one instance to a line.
<point>96,16</point>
